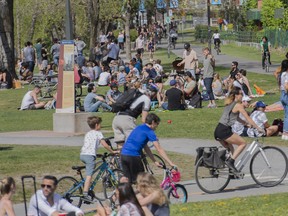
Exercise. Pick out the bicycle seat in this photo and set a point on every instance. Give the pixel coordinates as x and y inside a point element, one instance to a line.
<point>78,168</point>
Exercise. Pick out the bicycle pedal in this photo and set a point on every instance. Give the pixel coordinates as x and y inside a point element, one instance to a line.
<point>236,175</point>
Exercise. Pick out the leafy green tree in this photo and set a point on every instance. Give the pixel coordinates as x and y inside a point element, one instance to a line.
<point>267,13</point>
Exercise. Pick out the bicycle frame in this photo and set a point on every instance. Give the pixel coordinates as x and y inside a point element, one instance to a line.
<point>248,154</point>
<point>167,183</point>
<point>102,168</point>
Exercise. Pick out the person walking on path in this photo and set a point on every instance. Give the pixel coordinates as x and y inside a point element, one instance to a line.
<point>125,121</point>
<point>190,60</point>
<point>208,71</point>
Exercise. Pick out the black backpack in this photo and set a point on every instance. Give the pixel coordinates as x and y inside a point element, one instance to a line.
<point>125,100</point>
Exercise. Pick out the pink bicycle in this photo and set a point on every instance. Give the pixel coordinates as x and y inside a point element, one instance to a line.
<point>177,193</point>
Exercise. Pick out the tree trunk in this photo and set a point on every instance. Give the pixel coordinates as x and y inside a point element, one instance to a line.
<point>33,21</point>
<point>18,30</point>
<point>7,57</point>
<point>93,19</point>
<point>127,31</point>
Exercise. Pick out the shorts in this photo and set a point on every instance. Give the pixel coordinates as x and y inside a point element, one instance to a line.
<point>140,51</point>
<point>131,166</point>
<point>31,107</point>
<point>222,132</point>
<point>90,163</point>
<point>122,126</point>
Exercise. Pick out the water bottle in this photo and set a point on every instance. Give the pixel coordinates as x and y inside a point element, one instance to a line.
<point>144,87</point>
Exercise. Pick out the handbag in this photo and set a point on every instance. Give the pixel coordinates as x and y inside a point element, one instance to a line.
<point>16,84</point>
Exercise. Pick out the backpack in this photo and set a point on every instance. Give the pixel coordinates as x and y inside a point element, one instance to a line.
<point>196,99</point>
<point>124,101</point>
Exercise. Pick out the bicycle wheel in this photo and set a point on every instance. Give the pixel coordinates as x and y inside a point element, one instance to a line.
<point>177,195</point>
<point>150,167</point>
<point>211,180</point>
<point>110,182</point>
<point>68,187</point>
<point>267,67</point>
<point>268,166</point>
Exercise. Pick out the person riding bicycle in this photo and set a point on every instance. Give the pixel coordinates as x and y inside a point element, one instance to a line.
<point>223,132</point>
<point>131,159</point>
<point>92,141</point>
<point>266,50</point>
<point>217,41</point>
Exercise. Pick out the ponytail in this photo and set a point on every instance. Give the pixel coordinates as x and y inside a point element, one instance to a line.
<point>6,185</point>
<point>231,97</point>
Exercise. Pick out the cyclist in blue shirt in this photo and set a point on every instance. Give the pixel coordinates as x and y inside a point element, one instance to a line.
<point>136,142</point>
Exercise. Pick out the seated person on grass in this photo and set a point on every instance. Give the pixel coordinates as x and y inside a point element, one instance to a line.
<point>30,101</point>
<point>175,98</point>
<point>92,101</point>
<point>25,73</point>
<point>189,85</point>
<point>259,117</point>
<point>112,94</point>
<point>3,75</point>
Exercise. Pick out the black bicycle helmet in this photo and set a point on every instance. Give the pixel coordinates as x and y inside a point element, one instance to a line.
<point>186,46</point>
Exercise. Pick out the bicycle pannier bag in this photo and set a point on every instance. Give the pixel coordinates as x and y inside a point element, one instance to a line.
<point>214,158</point>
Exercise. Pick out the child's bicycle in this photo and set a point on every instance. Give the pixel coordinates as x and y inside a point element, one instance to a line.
<point>103,186</point>
<point>177,193</point>
<point>268,167</point>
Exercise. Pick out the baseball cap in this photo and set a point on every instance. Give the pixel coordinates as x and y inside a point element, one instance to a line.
<point>121,68</point>
<point>173,82</point>
<point>246,98</point>
<point>260,104</point>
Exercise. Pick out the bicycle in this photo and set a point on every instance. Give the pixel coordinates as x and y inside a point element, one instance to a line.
<point>264,169</point>
<point>217,48</point>
<point>148,164</point>
<point>266,62</point>
<point>177,193</point>
<point>71,189</point>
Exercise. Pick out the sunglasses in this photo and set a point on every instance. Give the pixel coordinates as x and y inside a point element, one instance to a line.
<point>47,186</point>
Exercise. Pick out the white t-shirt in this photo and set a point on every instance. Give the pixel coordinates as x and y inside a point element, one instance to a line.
<point>284,79</point>
<point>104,78</point>
<point>260,119</point>
<point>91,142</point>
<point>216,35</point>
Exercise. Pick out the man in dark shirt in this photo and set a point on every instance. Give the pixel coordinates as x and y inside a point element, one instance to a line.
<point>175,98</point>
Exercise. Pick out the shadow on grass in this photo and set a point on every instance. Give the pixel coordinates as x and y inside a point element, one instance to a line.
<point>6,148</point>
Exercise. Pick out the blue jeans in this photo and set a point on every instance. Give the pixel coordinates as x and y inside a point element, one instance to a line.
<point>95,106</point>
<point>56,60</point>
<point>165,105</point>
<point>284,101</point>
<point>208,86</point>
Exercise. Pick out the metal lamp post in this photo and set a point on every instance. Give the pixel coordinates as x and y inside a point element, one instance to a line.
<point>209,25</point>
<point>68,21</point>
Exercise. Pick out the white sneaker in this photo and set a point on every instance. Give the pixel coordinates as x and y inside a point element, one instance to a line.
<point>190,107</point>
<point>284,137</point>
